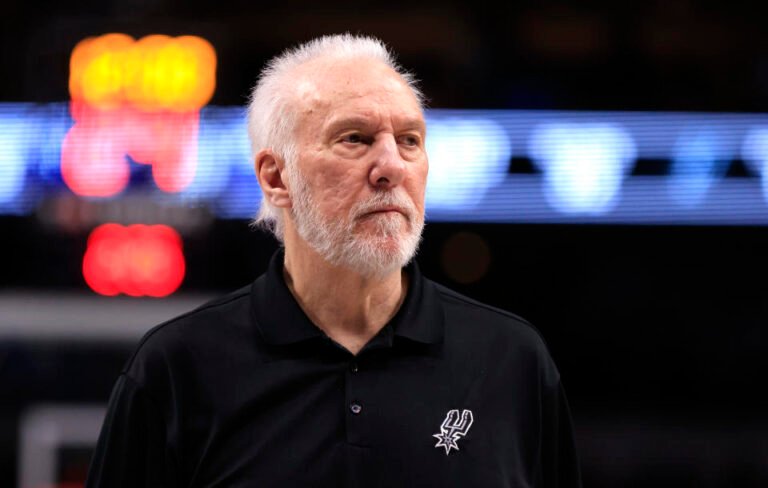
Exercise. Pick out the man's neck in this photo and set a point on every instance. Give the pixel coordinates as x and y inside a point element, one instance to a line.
<point>348,307</point>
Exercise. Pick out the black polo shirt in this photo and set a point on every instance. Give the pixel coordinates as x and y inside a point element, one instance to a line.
<point>247,392</point>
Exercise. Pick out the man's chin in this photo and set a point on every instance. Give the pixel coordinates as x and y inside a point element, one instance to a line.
<point>376,255</point>
<point>384,231</point>
<point>382,242</point>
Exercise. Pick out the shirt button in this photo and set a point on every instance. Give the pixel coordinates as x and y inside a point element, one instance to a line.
<point>355,408</point>
<point>354,368</point>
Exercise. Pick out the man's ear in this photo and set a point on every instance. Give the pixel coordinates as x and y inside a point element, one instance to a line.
<point>270,170</point>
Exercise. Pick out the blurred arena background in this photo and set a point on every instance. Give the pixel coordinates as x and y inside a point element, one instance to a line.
<point>600,169</point>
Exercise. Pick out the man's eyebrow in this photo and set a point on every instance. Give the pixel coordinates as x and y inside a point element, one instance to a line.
<point>414,123</point>
<point>336,125</point>
<point>347,122</point>
<point>344,123</point>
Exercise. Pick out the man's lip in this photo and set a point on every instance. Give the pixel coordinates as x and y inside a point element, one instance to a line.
<point>386,209</point>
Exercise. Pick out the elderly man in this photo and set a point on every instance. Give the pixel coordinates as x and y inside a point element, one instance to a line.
<point>342,365</point>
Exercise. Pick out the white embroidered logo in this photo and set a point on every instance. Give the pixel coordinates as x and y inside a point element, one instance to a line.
<point>453,428</point>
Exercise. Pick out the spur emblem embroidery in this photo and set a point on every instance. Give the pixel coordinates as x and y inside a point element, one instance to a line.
<point>454,427</point>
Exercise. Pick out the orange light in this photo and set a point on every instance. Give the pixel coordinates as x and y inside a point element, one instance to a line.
<point>137,98</point>
<point>157,72</point>
<point>138,260</point>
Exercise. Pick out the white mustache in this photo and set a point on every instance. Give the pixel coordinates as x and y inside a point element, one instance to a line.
<point>394,198</point>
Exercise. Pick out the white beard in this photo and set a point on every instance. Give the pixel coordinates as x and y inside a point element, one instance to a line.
<point>375,254</point>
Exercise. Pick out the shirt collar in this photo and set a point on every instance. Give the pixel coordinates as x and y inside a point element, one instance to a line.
<point>281,320</point>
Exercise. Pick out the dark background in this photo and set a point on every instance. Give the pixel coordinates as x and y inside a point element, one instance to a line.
<point>659,332</point>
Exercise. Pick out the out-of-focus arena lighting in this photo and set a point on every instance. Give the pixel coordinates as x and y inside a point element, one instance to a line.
<point>225,167</point>
<point>698,162</point>
<point>12,157</point>
<point>683,171</point>
<point>140,99</point>
<point>755,152</point>
<point>466,157</point>
<point>584,164</point>
<point>154,73</point>
<point>137,260</point>
<point>223,155</point>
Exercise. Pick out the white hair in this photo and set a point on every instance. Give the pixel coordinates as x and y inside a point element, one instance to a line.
<point>272,114</point>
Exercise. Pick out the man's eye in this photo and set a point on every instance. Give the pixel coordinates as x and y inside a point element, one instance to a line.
<point>352,138</point>
<point>410,140</point>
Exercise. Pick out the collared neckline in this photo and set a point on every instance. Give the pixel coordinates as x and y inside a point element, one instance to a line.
<point>281,320</point>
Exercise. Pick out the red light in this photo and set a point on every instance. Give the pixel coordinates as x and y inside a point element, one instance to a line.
<point>92,157</point>
<point>93,152</point>
<point>138,260</point>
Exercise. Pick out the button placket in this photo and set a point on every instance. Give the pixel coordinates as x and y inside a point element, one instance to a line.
<point>356,402</point>
<point>355,407</point>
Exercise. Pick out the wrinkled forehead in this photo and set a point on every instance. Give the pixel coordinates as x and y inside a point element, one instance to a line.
<point>325,83</point>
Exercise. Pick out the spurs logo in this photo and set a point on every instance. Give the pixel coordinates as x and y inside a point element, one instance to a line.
<point>453,427</point>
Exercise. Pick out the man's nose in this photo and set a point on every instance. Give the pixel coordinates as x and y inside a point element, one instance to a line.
<point>388,168</point>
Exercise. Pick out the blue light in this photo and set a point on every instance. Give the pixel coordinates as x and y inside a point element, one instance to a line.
<point>50,123</point>
<point>225,179</point>
<point>584,164</point>
<point>222,149</point>
<point>698,162</point>
<point>241,200</point>
<point>14,147</point>
<point>755,152</point>
<point>467,155</point>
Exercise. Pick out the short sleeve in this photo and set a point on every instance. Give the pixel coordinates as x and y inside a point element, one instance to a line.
<point>131,450</point>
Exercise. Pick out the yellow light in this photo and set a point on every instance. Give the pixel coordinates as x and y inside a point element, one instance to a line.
<point>156,73</point>
<point>96,70</point>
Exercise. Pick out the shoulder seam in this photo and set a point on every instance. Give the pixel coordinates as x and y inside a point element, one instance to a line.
<point>448,293</point>
<point>205,306</point>
<point>459,297</point>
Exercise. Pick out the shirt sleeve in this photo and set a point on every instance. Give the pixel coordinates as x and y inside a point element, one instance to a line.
<point>131,448</point>
<point>559,466</point>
